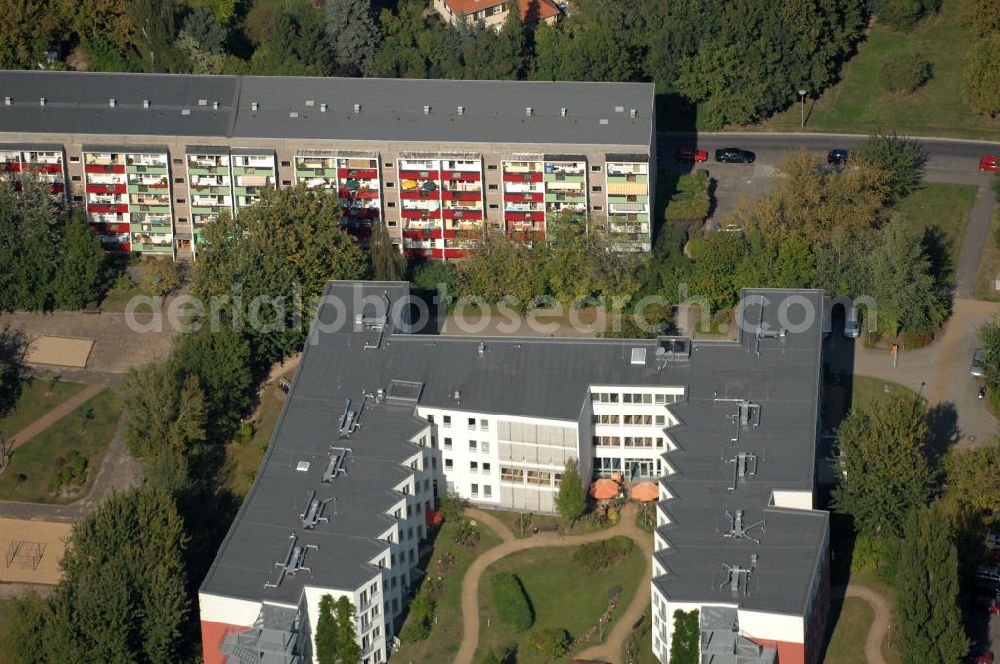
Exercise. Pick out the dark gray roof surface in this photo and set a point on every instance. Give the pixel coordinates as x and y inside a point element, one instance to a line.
<point>390,109</point>
<point>539,377</point>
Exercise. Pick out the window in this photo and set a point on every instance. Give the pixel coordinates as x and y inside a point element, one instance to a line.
<point>491,167</point>
<point>178,180</point>
<point>434,463</point>
<point>484,446</point>
<point>491,187</point>
<point>596,187</point>
<point>660,420</point>
<point>447,443</point>
<point>472,424</point>
<point>486,468</point>
<point>508,474</point>
<point>598,207</point>
<point>596,168</point>
<point>76,178</point>
<point>182,220</point>
<point>557,479</point>
<point>286,163</point>
<point>605,419</point>
<point>390,185</point>
<point>484,425</point>
<point>494,206</point>
<point>480,15</point>
<point>475,489</point>
<point>638,441</point>
<point>447,420</point>
<point>391,204</point>
<point>539,477</point>
<point>474,466</point>
<point>77,198</point>
<point>659,441</point>
<point>388,165</point>
<point>430,418</point>
<point>638,420</point>
<point>607,441</point>
<point>473,446</point>
<point>180,201</point>
<point>448,464</point>
<point>392,222</point>
<point>487,491</point>
<point>76,160</point>
<point>286,183</point>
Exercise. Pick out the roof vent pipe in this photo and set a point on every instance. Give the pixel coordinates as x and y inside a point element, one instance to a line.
<point>357,108</point>
<point>8,101</point>
<point>145,103</point>
<point>323,108</point>
<point>255,106</point>
<point>112,102</point>
<point>562,112</point>
<point>461,110</point>
<point>427,109</point>
<point>41,101</point>
<point>632,114</point>
<point>528,111</point>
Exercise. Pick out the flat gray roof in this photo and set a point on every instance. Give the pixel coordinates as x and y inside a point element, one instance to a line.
<point>390,109</point>
<point>546,378</point>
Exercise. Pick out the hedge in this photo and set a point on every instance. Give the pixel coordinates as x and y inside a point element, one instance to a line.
<point>603,554</point>
<point>513,607</point>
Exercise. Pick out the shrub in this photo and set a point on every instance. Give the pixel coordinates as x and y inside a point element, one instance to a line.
<point>513,607</point>
<point>71,471</point>
<point>467,534</point>
<point>244,433</point>
<point>418,626</point>
<point>124,282</point>
<point>159,277</point>
<point>692,201</point>
<point>552,642</point>
<point>903,14</point>
<point>595,556</point>
<point>451,506</point>
<point>505,654</point>
<point>904,72</point>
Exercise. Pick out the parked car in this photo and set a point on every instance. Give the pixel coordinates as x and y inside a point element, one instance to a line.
<point>852,323</point>
<point>837,157</point>
<point>734,156</point>
<point>692,155</point>
<point>989,163</point>
<point>985,658</point>
<point>976,368</point>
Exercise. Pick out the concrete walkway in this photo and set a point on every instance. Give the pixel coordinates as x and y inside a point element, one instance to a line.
<point>54,415</point>
<point>613,645</point>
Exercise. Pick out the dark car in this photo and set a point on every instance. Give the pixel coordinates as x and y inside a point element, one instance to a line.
<point>837,157</point>
<point>734,156</point>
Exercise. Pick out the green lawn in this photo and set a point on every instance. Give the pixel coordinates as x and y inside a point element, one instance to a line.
<point>866,389</point>
<point>446,634</point>
<point>942,210</point>
<point>34,402</point>
<point>847,644</point>
<point>989,265</point>
<point>562,594</point>
<point>35,461</point>
<point>6,611</point>
<point>859,104</point>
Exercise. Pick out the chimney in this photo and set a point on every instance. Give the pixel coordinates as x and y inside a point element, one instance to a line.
<point>145,103</point>
<point>563,112</point>
<point>323,108</point>
<point>215,105</point>
<point>112,102</point>
<point>461,110</point>
<point>528,111</point>
<point>632,114</point>
<point>427,109</point>
<point>41,101</point>
<point>255,106</point>
<point>8,101</point>
<point>357,108</point>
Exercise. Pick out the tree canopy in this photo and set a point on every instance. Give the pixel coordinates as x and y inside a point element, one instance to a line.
<point>572,497</point>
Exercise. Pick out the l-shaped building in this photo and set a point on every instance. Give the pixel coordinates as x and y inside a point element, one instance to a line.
<point>152,158</point>
<point>384,416</point>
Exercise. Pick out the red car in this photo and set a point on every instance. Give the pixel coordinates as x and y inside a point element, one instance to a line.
<point>691,155</point>
<point>985,658</point>
<point>990,163</point>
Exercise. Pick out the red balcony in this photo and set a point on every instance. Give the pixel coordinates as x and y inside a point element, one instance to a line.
<point>460,176</point>
<point>57,188</point>
<point>107,208</point>
<point>418,195</point>
<point>361,213</point>
<point>461,195</point>
<point>101,168</point>
<point>524,216</point>
<point>367,194</point>
<point>12,167</point>
<point>426,253</point>
<point>455,213</point>
<point>419,175</point>
<point>428,234</point>
<point>101,228</point>
<point>526,236</point>
<point>522,177</point>
<point>524,197</point>
<point>44,168</point>
<point>420,214</point>
<point>107,188</point>
<point>454,253</point>
<point>358,173</point>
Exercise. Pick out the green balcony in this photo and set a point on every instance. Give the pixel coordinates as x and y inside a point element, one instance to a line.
<point>624,200</point>
<point>559,177</point>
<point>253,170</point>
<point>153,248</point>
<point>625,178</point>
<point>315,172</point>
<point>566,198</point>
<point>640,218</point>
<point>157,169</point>
<point>146,189</point>
<point>247,191</point>
<point>149,209</point>
<point>220,190</point>
<point>151,227</point>
<point>208,170</point>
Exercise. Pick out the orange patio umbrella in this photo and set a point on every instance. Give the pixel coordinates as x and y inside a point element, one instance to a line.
<point>604,489</point>
<point>645,492</point>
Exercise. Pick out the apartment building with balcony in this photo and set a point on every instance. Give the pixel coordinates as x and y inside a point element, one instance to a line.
<point>227,137</point>
<point>384,416</point>
<point>44,162</point>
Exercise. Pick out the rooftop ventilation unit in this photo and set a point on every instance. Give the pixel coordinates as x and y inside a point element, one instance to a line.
<point>427,109</point>
<point>216,105</point>
<point>310,103</point>
<point>294,561</point>
<point>41,101</point>
<point>145,103</point>
<point>350,420</point>
<point>203,102</point>
<point>357,108</point>
<point>336,465</point>
<point>8,101</point>
<point>460,110</point>
<point>377,322</point>
<point>603,121</point>
<point>529,111</point>
<point>302,466</point>
<point>406,391</point>
<point>112,102</point>
<point>313,513</point>
<point>744,466</point>
<point>671,349</point>
<point>563,112</point>
<point>185,111</point>
<point>457,395</point>
<point>482,348</point>
<point>323,108</point>
<point>739,530</point>
<point>293,114</point>
<point>739,577</point>
<point>632,114</point>
<point>638,356</point>
<point>255,106</point>
<point>619,109</point>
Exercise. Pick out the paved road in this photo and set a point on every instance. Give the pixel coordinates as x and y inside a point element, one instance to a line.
<point>950,161</point>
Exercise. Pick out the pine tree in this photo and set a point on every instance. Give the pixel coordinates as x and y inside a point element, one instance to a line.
<point>388,264</point>
<point>354,32</point>
<point>929,618</point>
<point>348,649</point>
<point>77,280</point>
<point>571,499</point>
<point>326,632</point>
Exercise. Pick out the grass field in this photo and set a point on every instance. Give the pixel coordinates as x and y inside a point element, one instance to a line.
<point>446,634</point>
<point>989,265</point>
<point>35,402</point>
<point>562,595</point>
<point>36,459</point>
<point>6,611</point>
<point>848,640</point>
<point>859,104</point>
<point>944,210</point>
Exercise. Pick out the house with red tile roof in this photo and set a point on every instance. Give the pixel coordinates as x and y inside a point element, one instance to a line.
<point>493,13</point>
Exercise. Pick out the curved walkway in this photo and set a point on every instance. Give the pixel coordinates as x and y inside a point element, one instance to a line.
<point>612,646</point>
<point>880,625</point>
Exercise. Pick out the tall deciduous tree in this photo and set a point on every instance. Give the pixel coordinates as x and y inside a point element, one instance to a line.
<point>354,33</point>
<point>30,30</point>
<point>884,471</point>
<point>78,278</point>
<point>388,264</point>
<point>13,346</point>
<point>326,633</point>
<point>902,159</point>
<point>928,615</point>
<point>981,76</point>
<point>30,231</point>
<point>571,499</point>
<point>348,649</point>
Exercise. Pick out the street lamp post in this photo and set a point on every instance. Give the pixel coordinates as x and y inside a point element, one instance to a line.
<point>802,109</point>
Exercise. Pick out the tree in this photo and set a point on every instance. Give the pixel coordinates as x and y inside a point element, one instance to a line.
<point>499,267</point>
<point>903,14</point>
<point>78,278</point>
<point>989,337</point>
<point>983,17</point>
<point>928,615</point>
<point>29,31</point>
<point>973,481</point>
<point>354,33</point>
<point>122,597</point>
<point>156,34</point>
<point>388,263</point>
<point>30,231</point>
<point>571,499</point>
<point>203,26</point>
<point>712,275</point>
<point>348,649</point>
<point>904,160</point>
<point>420,619</point>
<point>326,632</point>
<point>885,475</point>
<point>13,347</point>
<point>277,257</point>
<point>981,77</point>
<point>685,639</point>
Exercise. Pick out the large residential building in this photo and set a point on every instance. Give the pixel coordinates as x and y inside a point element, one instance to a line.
<point>384,416</point>
<point>154,157</point>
